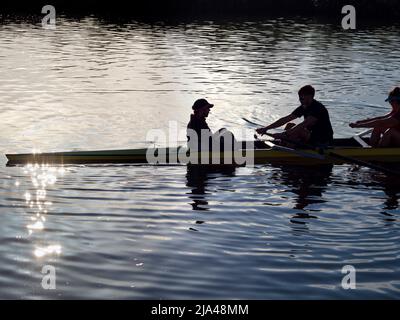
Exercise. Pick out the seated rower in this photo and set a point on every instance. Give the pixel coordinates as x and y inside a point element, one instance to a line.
<point>316,128</point>
<point>199,134</point>
<point>386,131</point>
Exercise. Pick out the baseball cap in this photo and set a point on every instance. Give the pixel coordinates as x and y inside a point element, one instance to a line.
<point>394,94</point>
<point>200,103</point>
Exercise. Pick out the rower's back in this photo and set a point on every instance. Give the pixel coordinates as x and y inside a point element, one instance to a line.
<point>197,130</point>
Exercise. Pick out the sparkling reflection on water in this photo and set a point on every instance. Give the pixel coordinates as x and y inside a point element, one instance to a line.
<point>177,232</point>
<point>159,232</point>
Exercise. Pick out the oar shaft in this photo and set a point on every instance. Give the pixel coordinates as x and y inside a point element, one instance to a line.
<point>294,151</point>
<point>365,132</point>
<point>344,158</point>
<point>253,123</point>
<point>296,143</point>
<point>362,163</point>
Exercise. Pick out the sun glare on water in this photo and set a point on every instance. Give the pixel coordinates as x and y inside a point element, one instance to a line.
<point>49,250</point>
<point>41,177</point>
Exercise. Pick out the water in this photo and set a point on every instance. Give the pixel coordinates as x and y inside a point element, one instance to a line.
<point>143,232</point>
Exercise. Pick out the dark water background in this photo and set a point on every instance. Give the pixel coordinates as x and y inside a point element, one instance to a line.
<point>170,232</point>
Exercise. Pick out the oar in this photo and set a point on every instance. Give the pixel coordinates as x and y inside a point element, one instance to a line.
<point>363,163</point>
<point>253,123</point>
<point>291,150</point>
<point>335,155</point>
<point>296,143</point>
<point>358,138</point>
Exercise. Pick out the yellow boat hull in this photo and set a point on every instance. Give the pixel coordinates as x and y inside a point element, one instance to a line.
<point>169,156</point>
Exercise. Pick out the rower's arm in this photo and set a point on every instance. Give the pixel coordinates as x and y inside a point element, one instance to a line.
<point>278,123</point>
<point>380,123</point>
<point>373,119</point>
<point>308,122</point>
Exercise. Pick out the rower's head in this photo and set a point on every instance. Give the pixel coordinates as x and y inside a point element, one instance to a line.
<point>394,98</point>
<point>306,95</point>
<point>201,108</point>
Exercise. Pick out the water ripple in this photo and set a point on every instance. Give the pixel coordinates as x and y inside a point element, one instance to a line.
<point>134,232</point>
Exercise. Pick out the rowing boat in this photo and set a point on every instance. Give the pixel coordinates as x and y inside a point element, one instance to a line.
<point>343,147</point>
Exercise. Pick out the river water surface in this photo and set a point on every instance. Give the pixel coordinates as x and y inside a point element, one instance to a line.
<point>145,232</point>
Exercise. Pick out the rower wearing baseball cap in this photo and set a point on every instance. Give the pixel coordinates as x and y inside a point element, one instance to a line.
<point>201,109</point>
<point>386,131</point>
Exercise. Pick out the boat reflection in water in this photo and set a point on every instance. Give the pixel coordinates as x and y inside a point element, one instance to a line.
<point>390,185</point>
<point>392,190</point>
<point>304,187</point>
<point>197,180</point>
<point>307,184</point>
